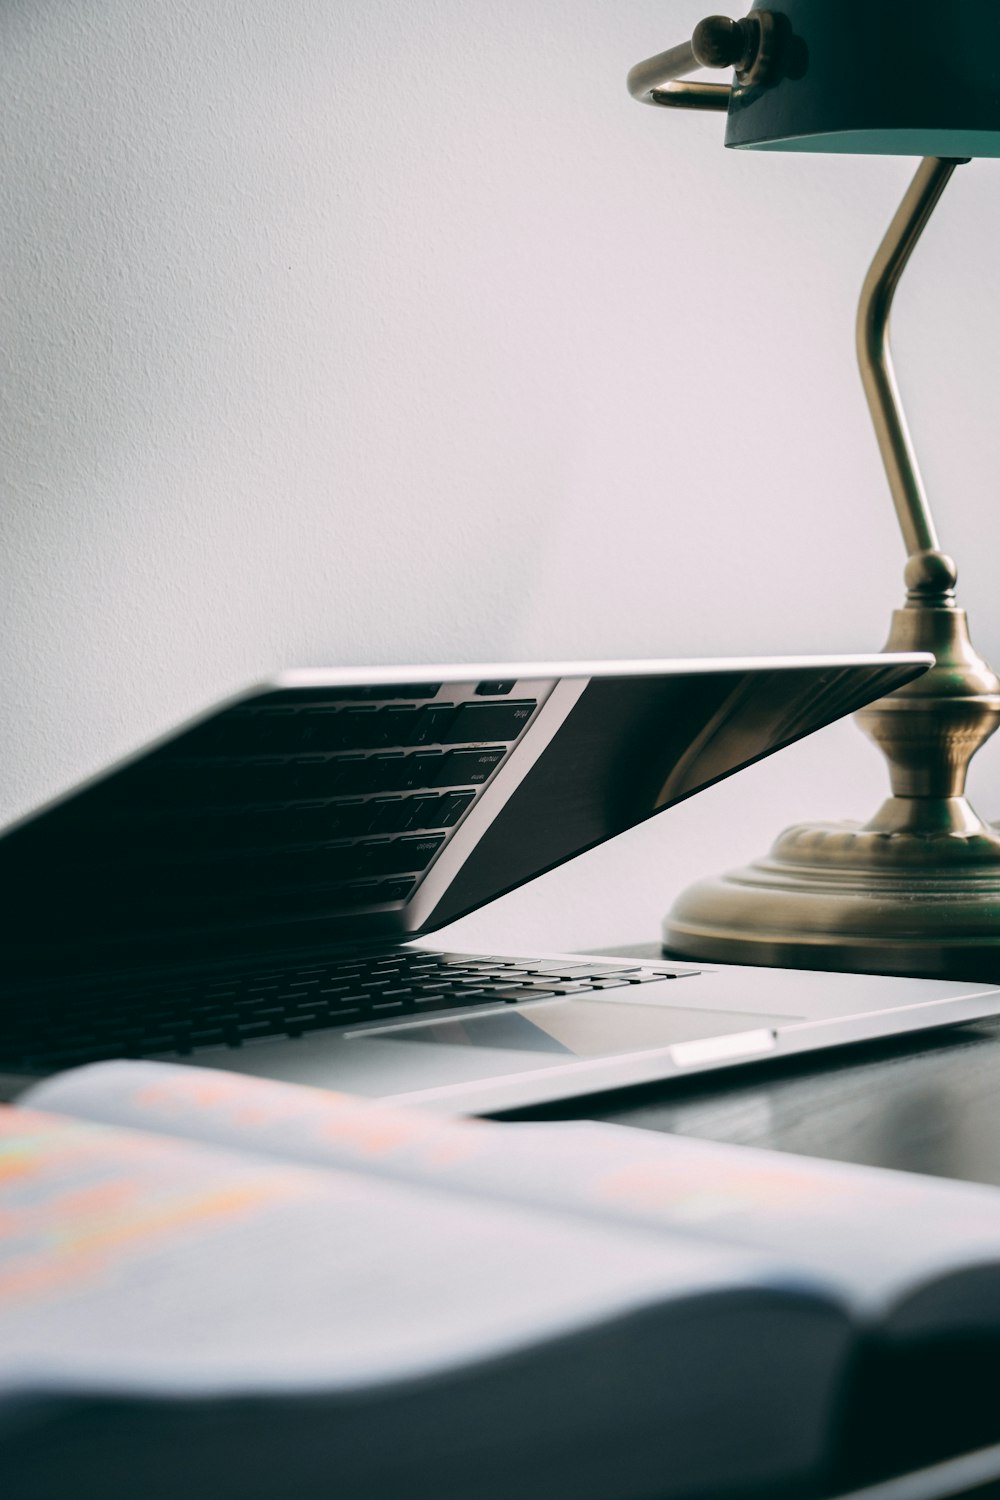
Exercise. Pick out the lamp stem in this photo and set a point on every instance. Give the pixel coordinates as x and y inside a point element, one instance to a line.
<point>874,358</point>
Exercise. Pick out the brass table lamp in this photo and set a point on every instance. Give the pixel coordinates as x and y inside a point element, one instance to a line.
<point>917,889</point>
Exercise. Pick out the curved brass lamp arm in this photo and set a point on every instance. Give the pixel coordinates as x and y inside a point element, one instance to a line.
<point>654,81</point>
<point>749,46</point>
<point>875,361</point>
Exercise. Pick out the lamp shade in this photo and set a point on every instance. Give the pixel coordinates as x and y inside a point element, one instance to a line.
<point>878,77</point>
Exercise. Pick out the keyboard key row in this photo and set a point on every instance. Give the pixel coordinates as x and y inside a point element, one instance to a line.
<point>362,727</point>
<point>370,692</point>
<point>326,864</point>
<point>239,829</point>
<point>167,782</point>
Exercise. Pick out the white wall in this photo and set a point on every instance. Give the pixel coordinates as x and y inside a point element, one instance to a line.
<point>350,331</point>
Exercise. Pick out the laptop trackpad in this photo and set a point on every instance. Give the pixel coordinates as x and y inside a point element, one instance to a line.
<point>578,1028</point>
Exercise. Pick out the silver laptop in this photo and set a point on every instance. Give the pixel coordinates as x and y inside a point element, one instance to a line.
<point>256,890</point>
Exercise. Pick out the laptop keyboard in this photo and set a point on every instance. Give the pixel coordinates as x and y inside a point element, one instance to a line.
<point>302,802</point>
<point>43,1035</point>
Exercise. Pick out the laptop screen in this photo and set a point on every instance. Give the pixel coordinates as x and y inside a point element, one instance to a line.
<point>326,808</point>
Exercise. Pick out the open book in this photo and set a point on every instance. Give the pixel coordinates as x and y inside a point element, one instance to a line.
<point>223,1286</point>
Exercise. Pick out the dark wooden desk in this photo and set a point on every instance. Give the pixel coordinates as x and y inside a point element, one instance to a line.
<point>930,1103</point>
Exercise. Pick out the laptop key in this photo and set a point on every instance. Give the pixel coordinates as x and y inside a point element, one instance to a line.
<point>344,820</point>
<point>434,721</point>
<point>313,1023</point>
<point>478,722</point>
<point>346,728</point>
<point>446,810</point>
<point>210,1036</point>
<point>410,854</point>
<point>468,767</point>
<point>245,1029</point>
<point>389,815</point>
<point>616,974</point>
<point>512,996</point>
<point>401,726</point>
<point>454,1000</point>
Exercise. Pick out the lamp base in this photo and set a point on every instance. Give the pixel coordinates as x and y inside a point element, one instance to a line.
<point>916,890</point>
<point>888,899</point>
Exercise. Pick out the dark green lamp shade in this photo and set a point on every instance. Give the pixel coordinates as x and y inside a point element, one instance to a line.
<point>878,77</point>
